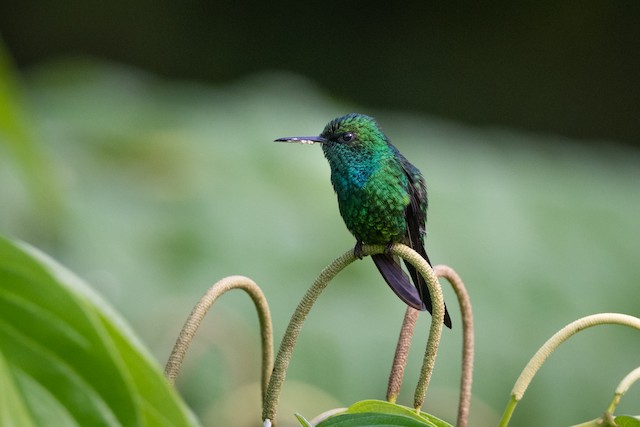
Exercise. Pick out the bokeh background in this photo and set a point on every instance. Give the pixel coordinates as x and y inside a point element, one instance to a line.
<point>135,147</point>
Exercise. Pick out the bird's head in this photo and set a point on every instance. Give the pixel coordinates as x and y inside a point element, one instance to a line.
<point>356,132</point>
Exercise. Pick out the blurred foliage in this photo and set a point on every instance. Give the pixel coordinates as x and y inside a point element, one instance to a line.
<point>66,359</point>
<point>17,140</point>
<point>168,186</point>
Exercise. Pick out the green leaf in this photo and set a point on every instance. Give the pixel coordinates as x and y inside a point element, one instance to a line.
<point>17,136</point>
<point>381,413</point>
<point>593,423</point>
<point>434,420</point>
<point>392,408</point>
<point>303,421</point>
<point>13,410</point>
<point>621,421</point>
<point>371,419</point>
<point>66,359</point>
<point>627,421</point>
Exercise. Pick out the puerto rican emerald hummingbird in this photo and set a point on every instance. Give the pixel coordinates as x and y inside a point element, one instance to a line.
<point>382,198</point>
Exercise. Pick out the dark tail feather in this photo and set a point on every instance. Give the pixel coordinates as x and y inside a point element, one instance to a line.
<point>423,290</point>
<point>398,280</point>
<point>418,296</point>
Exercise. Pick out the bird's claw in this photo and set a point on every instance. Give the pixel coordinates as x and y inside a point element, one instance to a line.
<point>357,250</point>
<point>387,248</point>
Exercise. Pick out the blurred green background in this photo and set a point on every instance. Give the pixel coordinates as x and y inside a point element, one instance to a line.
<point>135,147</point>
<point>568,67</point>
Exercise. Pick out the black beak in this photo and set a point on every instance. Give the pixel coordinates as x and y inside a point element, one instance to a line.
<point>303,139</point>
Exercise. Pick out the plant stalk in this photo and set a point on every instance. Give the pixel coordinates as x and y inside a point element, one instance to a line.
<point>402,352</point>
<point>290,337</point>
<point>406,334</point>
<point>188,332</point>
<point>466,311</point>
<point>437,318</point>
<point>552,344</point>
<point>622,388</point>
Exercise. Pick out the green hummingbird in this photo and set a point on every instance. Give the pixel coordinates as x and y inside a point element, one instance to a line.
<point>382,198</point>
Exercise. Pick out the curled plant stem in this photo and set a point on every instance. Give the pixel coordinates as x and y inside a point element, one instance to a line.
<point>402,351</point>
<point>190,327</point>
<point>437,318</point>
<point>290,337</point>
<point>404,342</point>
<point>622,388</point>
<point>467,341</point>
<point>552,344</point>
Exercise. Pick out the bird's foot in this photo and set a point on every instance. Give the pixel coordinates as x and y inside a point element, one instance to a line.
<point>387,248</point>
<point>357,250</point>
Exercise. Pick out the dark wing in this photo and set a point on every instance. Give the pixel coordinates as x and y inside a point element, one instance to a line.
<point>416,217</point>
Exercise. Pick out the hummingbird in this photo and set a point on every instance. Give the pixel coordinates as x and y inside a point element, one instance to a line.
<point>382,198</point>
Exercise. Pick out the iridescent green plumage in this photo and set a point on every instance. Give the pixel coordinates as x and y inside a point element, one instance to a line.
<point>382,197</point>
<point>369,180</point>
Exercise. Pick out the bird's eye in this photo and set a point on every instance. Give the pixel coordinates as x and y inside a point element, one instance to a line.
<point>345,137</point>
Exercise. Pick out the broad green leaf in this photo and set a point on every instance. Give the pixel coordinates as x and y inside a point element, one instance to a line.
<point>627,421</point>
<point>66,359</point>
<point>392,408</point>
<point>13,410</point>
<point>372,419</point>
<point>435,420</point>
<point>381,413</point>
